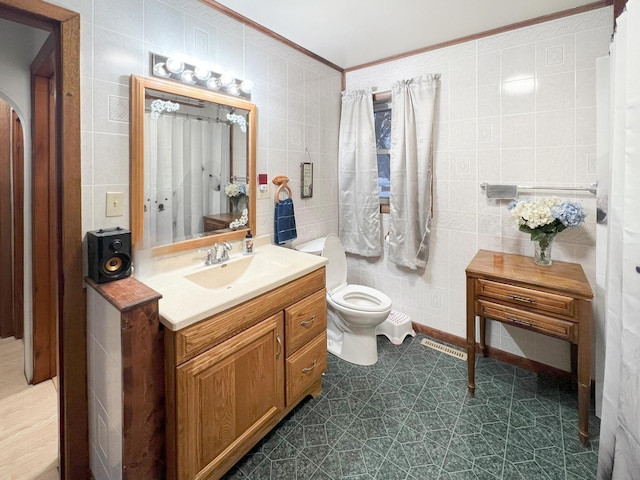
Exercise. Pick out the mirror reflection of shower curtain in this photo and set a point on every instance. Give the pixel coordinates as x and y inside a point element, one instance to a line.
<point>186,166</point>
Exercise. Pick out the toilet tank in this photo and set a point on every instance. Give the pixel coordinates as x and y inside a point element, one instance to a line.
<point>314,246</point>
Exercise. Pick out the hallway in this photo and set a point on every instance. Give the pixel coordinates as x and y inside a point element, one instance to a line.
<point>28,420</point>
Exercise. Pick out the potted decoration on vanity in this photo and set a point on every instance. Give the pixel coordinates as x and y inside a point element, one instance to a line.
<point>236,192</point>
<point>544,219</point>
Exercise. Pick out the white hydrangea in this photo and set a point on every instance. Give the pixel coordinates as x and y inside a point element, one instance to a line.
<point>535,214</point>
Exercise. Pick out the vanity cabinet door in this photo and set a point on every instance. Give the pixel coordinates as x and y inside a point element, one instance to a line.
<point>227,397</point>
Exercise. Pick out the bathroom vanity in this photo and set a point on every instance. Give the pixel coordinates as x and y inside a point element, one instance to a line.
<point>253,352</point>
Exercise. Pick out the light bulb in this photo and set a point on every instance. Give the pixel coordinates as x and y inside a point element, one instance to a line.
<point>226,79</point>
<point>159,70</point>
<point>202,74</point>
<point>233,89</point>
<point>246,86</point>
<point>213,84</point>
<point>188,77</point>
<point>174,65</point>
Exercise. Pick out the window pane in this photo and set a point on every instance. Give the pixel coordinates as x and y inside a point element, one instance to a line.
<point>384,174</point>
<point>383,129</point>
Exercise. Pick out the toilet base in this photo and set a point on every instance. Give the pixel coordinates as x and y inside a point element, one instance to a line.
<point>357,349</point>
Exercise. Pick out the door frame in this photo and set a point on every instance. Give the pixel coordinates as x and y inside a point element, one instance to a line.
<point>72,335</point>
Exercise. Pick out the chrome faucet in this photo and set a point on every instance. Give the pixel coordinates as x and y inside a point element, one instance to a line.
<point>221,252</point>
<point>209,260</point>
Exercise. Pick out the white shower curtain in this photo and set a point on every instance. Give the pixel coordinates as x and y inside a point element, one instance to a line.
<point>359,205</point>
<point>410,198</point>
<point>619,454</point>
<point>186,167</point>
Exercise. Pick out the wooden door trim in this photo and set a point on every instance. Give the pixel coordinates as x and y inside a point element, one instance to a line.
<point>6,271</point>
<point>17,142</point>
<point>72,359</point>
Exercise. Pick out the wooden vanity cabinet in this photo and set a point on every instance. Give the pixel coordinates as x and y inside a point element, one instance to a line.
<point>232,377</point>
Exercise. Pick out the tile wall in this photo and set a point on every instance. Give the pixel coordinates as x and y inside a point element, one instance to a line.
<point>514,108</point>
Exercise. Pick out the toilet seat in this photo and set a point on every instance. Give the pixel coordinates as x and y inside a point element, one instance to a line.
<point>361,298</point>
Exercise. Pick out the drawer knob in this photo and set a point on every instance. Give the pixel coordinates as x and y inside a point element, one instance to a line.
<point>523,299</point>
<point>308,369</point>
<point>308,322</point>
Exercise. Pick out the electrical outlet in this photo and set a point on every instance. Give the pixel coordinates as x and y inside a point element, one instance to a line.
<point>262,194</point>
<point>115,204</point>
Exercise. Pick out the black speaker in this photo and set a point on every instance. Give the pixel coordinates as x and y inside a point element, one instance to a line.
<point>109,252</point>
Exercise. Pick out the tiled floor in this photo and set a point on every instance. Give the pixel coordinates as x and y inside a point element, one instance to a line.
<point>409,417</point>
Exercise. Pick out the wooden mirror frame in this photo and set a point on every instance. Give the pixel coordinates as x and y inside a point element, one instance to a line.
<point>136,141</point>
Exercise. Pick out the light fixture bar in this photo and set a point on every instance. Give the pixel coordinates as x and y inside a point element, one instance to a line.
<point>175,69</point>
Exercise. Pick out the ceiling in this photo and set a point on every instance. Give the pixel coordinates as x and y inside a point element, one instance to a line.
<point>354,32</point>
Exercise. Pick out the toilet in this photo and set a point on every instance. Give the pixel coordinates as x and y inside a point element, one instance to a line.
<point>353,311</point>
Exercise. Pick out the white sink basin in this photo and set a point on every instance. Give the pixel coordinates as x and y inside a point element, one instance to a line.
<point>192,291</point>
<point>237,273</point>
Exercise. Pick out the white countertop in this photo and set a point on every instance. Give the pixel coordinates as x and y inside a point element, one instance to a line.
<point>185,302</point>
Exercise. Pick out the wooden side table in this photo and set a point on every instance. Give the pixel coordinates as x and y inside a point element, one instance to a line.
<point>554,301</point>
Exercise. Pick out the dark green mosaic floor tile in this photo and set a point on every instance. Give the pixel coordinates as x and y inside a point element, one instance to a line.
<point>390,471</point>
<point>424,472</point>
<point>455,463</point>
<point>531,471</point>
<point>492,464</point>
<point>551,455</point>
<point>352,463</point>
<point>373,460</point>
<point>317,453</point>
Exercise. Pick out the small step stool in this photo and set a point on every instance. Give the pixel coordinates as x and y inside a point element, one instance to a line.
<point>396,327</point>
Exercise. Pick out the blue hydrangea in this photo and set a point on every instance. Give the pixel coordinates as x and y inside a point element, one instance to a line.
<point>569,214</point>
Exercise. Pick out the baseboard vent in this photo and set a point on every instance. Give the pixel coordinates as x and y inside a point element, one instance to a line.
<point>459,354</point>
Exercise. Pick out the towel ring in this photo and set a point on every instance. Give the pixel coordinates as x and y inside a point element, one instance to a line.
<point>282,182</point>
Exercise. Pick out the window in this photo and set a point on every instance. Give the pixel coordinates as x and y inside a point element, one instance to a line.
<point>382,117</point>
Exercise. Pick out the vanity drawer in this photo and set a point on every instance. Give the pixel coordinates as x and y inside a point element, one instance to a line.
<point>532,321</point>
<point>305,367</point>
<point>304,320</point>
<point>534,299</point>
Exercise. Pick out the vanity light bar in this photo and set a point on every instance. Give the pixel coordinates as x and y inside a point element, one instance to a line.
<point>175,69</point>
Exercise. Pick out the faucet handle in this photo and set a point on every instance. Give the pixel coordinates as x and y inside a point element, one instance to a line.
<point>209,252</point>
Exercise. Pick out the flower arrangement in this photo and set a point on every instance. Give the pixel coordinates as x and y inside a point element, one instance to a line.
<point>546,218</point>
<point>236,192</point>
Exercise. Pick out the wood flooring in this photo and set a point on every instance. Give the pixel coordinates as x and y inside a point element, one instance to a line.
<point>28,420</point>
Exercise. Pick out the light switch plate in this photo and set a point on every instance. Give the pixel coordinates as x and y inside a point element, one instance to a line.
<point>262,194</point>
<point>115,204</point>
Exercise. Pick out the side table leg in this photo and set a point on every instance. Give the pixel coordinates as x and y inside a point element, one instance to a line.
<point>584,371</point>
<point>483,345</point>
<point>471,336</point>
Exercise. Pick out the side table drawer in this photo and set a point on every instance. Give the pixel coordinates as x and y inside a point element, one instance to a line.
<point>535,299</point>
<point>532,321</point>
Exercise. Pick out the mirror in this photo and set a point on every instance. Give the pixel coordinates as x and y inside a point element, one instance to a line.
<point>192,166</point>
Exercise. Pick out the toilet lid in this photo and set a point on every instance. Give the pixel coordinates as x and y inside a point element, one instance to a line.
<point>336,270</point>
<point>359,297</point>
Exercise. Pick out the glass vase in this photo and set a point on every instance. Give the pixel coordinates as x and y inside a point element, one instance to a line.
<point>542,251</point>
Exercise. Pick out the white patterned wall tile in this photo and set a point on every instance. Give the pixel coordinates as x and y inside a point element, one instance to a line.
<point>551,351</point>
<point>489,100</point>
<point>457,221</point>
<point>518,96</point>
<point>517,165</point>
<point>463,134</point>
<point>556,92</point>
<point>489,133</point>
<point>436,273</point>
<point>205,13</point>
<point>87,210</point>
<point>489,224</point>
<point>554,165</point>
<point>489,68</point>
<point>111,159</point>
<point>555,129</point>
<point>586,88</point>
<point>256,64</point>
<point>556,28</point>
<point>517,63</point>
<point>585,163</point>
<point>109,15</point>
<point>120,56</point>
<point>231,54</point>
<point>556,55</point>
<point>200,39</point>
<point>441,196</point>
<point>464,73</point>
<point>457,276</point>
<point>312,139</point>
<point>439,243</point>
<point>442,107</point>
<point>591,45</point>
<point>585,126</point>
<point>489,165</point>
<point>464,104</point>
<point>164,27</point>
<point>86,104</point>
<point>86,152</point>
<point>86,54</point>
<point>463,165</point>
<point>462,197</point>
<point>464,245</point>
<point>441,165</point>
<point>518,131</point>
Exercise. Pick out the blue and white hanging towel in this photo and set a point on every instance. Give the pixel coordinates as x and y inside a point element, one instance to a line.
<point>284,222</point>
